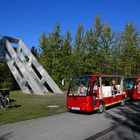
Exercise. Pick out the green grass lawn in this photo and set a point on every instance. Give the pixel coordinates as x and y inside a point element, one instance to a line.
<point>29,106</point>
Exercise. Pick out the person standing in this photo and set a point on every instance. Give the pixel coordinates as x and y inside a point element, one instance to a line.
<point>138,86</point>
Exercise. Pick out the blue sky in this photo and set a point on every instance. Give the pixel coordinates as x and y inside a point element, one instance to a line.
<point>28,19</point>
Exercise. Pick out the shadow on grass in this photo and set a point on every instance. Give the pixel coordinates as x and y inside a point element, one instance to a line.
<point>6,136</point>
<point>12,100</point>
<point>14,106</point>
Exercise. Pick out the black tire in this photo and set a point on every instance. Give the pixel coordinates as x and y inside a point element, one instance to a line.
<point>123,102</point>
<point>4,103</point>
<point>101,108</point>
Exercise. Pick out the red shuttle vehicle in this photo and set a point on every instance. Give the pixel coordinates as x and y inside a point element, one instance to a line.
<point>132,88</point>
<point>87,93</point>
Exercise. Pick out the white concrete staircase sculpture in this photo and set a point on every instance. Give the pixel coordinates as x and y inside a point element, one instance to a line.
<point>29,74</point>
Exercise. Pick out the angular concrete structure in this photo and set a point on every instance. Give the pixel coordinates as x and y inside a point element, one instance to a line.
<point>29,74</point>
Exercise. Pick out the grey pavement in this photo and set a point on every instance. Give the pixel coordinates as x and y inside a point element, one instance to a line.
<point>129,129</point>
<point>116,123</point>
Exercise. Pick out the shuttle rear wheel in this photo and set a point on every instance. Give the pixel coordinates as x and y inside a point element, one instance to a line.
<point>101,108</point>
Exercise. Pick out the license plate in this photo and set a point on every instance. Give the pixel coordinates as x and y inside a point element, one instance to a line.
<point>75,108</point>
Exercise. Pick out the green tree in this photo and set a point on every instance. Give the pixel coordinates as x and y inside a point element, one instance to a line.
<point>116,54</point>
<point>51,55</point>
<point>99,50</point>
<point>66,56</point>
<point>6,78</point>
<point>78,50</point>
<point>105,39</point>
<point>90,49</point>
<point>130,49</point>
<point>34,51</point>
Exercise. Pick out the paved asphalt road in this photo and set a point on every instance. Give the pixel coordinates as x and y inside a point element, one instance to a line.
<point>121,123</point>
